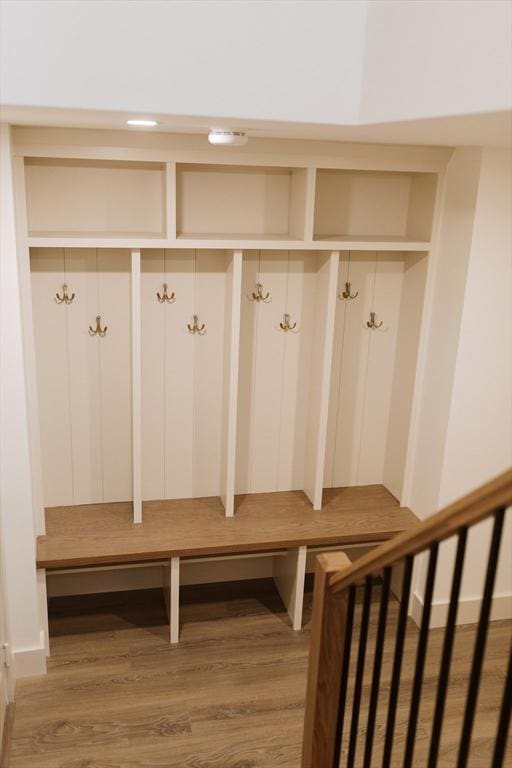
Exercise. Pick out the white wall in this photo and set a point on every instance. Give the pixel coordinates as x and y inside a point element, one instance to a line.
<point>298,60</point>
<point>426,59</point>
<point>466,434</point>
<point>479,435</point>
<point>312,61</point>
<point>16,508</point>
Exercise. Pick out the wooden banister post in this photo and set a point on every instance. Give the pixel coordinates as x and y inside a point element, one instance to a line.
<point>325,661</point>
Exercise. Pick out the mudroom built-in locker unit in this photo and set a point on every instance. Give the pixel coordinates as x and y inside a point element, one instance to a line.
<point>223,338</point>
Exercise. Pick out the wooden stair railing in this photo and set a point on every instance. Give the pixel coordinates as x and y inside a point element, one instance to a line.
<point>336,579</point>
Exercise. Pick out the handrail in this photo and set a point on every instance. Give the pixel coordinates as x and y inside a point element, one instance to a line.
<point>336,580</point>
<point>464,512</point>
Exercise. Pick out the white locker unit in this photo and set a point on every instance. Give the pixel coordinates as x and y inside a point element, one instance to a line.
<point>232,361</point>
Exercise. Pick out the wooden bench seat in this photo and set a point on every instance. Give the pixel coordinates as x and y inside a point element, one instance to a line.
<point>97,534</point>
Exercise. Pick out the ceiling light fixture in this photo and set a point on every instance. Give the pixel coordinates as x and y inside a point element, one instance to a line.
<point>227,138</point>
<point>143,123</point>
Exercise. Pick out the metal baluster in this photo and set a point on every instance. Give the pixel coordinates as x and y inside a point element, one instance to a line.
<point>500,744</point>
<point>420,656</point>
<point>481,639</point>
<point>397,661</point>
<point>377,664</point>
<point>349,625</point>
<point>361,656</point>
<point>446,658</point>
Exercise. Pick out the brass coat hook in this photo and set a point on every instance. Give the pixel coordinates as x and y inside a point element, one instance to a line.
<point>195,328</point>
<point>164,296</point>
<point>98,331</point>
<point>64,299</point>
<point>347,294</point>
<point>285,325</point>
<point>371,322</point>
<point>258,294</point>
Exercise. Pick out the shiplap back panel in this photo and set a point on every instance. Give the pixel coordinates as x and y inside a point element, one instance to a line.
<point>153,324</point>
<point>114,305</point>
<point>210,305</point>
<point>372,375</point>
<point>381,364</point>
<point>51,347</point>
<point>351,350</point>
<point>261,372</point>
<point>84,377</point>
<point>178,412</point>
<point>411,311</point>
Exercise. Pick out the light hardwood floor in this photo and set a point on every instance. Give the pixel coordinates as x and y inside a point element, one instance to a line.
<point>230,695</point>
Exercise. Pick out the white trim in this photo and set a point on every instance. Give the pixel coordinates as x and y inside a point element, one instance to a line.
<point>30,662</point>
<point>468,611</point>
<point>136,389</point>
<point>222,242</point>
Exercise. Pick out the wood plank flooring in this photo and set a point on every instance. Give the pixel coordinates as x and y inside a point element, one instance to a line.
<point>104,533</point>
<point>230,695</point>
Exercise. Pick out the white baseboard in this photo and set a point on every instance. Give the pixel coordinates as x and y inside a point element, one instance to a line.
<point>30,662</point>
<point>468,611</point>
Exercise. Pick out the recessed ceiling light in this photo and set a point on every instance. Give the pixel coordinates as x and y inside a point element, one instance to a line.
<point>144,123</point>
<point>232,138</point>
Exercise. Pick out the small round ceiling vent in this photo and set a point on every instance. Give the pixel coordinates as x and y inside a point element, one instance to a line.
<point>227,138</point>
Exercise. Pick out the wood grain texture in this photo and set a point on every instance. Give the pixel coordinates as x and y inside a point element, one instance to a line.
<point>464,512</point>
<point>5,746</point>
<point>105,533</point>
<point>325,664</point>
<point>231,695</point>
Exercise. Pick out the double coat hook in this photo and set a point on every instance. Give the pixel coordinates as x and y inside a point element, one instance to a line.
<point>195,327</point>
<point>98,331</point>
<point>285,325</point>
<point>258,294</point>
<point>371,322</point>
<point>164,296</point>
<point>64,299</point>
<point>347,292</point>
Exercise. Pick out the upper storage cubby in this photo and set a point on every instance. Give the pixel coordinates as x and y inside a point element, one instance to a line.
<point>374,205</point>
<point>232,201</point>
<point>73,198</point>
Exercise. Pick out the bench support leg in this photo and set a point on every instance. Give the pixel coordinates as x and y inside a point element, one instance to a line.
<point>289,573</point>
<point>43,607</point>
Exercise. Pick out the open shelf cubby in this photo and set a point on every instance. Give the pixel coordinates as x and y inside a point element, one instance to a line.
<point>233,201</point>
<point>374,205</point>
<point>95,198</point>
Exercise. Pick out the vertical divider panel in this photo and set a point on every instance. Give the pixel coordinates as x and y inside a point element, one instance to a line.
<point>174,600</point>
<point>309,214</point>
<point>23,253</point>
<point>230,394</point>
<point>170,200</point>
<point>289,573</point>
<point>136,389</point>
<point>316,438</point>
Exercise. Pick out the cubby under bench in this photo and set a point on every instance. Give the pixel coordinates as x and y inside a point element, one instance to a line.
<point>178,534</point>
